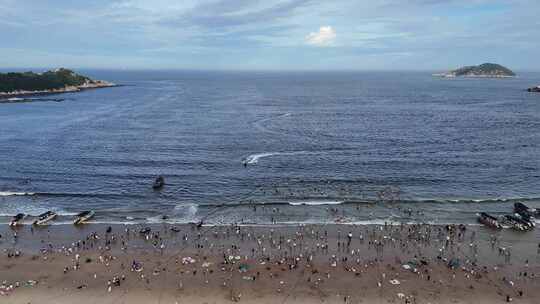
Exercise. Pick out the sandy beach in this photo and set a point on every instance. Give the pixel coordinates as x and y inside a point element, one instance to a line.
<point>268,264</point>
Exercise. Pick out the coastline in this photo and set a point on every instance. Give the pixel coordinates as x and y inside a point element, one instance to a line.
<point>96,84</point>
<point>299,264</point>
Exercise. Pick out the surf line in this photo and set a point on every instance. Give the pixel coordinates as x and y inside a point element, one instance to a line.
<point>9,193</point>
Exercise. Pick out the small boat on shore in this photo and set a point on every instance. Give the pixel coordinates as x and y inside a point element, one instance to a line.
<point>83,217</point>
<point>17,219</point>
<point>46,217</point>
<point>516,223</point>
<point>159,183</point>
<point>489,220</point>
<point>527,219</point>
<point>524,209</point>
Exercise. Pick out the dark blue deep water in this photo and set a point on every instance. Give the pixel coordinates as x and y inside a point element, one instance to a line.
<point>377,143</point>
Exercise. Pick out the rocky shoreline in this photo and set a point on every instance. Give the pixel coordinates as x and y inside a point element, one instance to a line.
<point>95,84</point>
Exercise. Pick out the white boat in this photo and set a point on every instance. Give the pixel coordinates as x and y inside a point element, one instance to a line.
<point>44,218</point>
<point>83,217</point>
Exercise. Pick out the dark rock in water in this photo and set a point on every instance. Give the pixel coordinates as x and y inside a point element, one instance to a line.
<point>534,89</point>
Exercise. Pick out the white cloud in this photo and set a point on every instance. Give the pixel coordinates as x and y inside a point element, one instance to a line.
<point>324,37</point>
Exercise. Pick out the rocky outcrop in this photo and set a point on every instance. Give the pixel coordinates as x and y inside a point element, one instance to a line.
<point>486,70</point>
<point>50,82</point>
<point>534,89</point>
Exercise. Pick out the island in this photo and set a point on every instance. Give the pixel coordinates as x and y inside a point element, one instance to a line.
<point>534,89</point>
<point>486,70</point>
<point>51,82</point>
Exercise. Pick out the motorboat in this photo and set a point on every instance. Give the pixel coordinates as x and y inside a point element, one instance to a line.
<point>83,217</point>
<point>46,217</point>
<point>159,183</point>
<point>17,219</point>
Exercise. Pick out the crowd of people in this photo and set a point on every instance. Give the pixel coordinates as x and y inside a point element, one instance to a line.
<point>326,259</point>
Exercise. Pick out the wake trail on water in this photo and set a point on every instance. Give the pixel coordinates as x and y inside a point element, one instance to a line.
<point>260,123</point>
<point>254,158</point>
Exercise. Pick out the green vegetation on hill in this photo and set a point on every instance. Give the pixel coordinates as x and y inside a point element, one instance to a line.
<point>483,70</point>
<point>30,81</point>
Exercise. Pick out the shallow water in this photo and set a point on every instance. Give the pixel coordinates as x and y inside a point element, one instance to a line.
<point>299,143</point>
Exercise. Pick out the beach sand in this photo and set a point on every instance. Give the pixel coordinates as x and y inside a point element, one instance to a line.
<point>268,264</point>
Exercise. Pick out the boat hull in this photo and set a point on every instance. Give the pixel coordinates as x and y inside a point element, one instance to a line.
<point>45,221</point>
<point>83,219</point>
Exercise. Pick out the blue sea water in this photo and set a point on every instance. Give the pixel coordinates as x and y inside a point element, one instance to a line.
<point>287,147</point>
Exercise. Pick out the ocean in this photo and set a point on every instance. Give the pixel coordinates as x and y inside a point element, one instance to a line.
<point>281,147</point>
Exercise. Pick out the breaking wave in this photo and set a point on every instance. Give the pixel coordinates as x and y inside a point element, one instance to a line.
<point>9,193</point>
<point>315,203</point>
<point>66,194</point>
<point>186,212</point>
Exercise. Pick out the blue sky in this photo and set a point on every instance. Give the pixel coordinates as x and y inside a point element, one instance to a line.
<point>267,34</point>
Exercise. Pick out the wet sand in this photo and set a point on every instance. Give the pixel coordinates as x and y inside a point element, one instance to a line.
<point>268,264</point>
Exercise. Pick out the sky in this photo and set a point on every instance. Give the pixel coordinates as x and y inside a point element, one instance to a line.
<point>269,34</point>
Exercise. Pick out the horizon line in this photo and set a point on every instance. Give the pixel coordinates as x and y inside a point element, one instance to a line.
<point>139,69</point>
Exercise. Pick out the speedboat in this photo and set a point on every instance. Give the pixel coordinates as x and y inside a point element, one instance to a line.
<point>489,220</point>
<point>44,218</point>
<point>17,219</point>
<point>83,217</point>
<point>159,183</point>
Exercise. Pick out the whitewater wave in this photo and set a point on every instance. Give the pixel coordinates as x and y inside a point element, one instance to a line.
<point>474,200</point>
<point>315,203</point>
<point>10,193</point>
<point>186,212</point>
<point>67,194</point>
<point>35,211</point>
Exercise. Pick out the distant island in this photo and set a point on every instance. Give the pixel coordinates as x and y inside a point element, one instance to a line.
<point>50,82</point>
<point>487,70</point>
